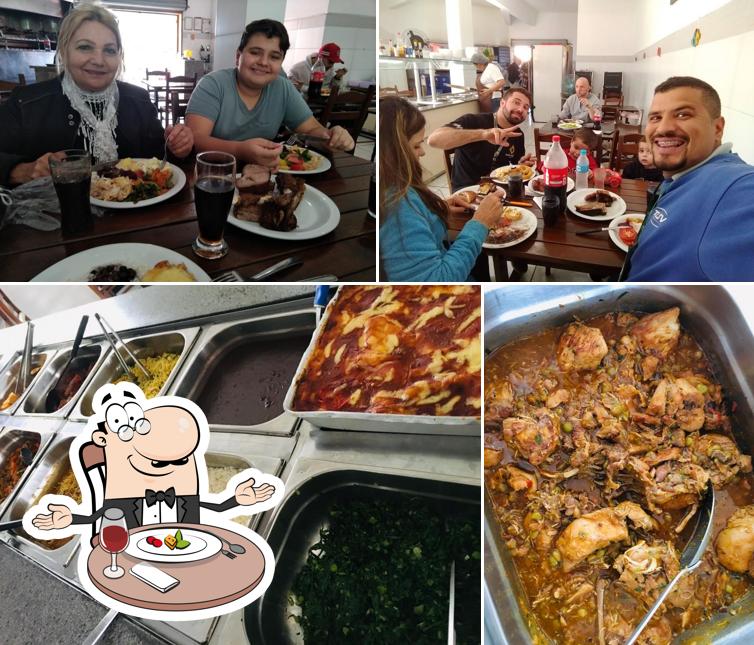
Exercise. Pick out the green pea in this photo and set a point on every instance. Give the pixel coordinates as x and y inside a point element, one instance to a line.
<point>567,427</point>
<point>702,388</point>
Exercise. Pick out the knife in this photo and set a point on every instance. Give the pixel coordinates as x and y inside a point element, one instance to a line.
<point>604,228</point>
<point>275,268</point>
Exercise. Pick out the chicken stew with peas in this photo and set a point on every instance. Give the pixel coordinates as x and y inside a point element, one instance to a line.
<point>600,438</point>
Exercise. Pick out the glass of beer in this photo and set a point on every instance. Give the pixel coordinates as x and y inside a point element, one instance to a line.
<point>213,198</point>
<point>71,174</point>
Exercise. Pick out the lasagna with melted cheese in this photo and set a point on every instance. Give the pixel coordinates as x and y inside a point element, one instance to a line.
<point>397,350</point>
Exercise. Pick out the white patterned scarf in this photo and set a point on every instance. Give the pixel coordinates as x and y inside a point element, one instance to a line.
<point>99,117</point>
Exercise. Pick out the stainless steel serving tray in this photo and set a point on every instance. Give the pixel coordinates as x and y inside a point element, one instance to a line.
<point>178,341</point>
<point>10,439</point>
<point>372,421</point>
<point>41,356</point>
<point>218,341</point>
<point>34,403</point>
<point>709,314</point>
<point>305,511</point>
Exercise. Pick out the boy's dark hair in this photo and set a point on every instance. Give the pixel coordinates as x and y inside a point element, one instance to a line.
<point>710,97</point>
<point>270,28</point>
<point>520,90</point>
<point>587,136</point>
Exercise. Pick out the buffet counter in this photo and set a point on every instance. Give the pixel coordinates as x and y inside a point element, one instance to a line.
<point>247,338</point>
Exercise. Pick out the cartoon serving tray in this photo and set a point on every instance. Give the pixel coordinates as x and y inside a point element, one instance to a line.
<point>155,543</point>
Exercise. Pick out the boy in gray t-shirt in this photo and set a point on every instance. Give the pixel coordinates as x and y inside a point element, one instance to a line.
<point>240,110</point>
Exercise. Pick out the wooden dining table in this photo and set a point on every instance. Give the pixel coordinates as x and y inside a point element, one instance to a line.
<point>347,252</point>
<point>560,247</point>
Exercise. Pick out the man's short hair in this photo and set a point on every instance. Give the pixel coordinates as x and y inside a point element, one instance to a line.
<point>710,97</point>
<point>520,90</point>
<point>587,136</point>
<point>270,28</point>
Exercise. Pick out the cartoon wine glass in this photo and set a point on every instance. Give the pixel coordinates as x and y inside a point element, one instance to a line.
<point>114,539</point>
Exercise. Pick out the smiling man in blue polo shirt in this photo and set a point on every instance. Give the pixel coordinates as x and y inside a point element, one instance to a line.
<point>702,226</point>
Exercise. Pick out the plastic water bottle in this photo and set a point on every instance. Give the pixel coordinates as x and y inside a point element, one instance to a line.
<point>556,172</point>
<point>582,171</point>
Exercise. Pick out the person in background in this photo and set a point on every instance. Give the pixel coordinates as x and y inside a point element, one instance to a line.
<point>514,74</point>
<point>240,110</point>
<point>301,72</point>
<point>414,244</point>
<point>83,108</point>
<point>582,104</point>
<point>702,226</point>
<point>583,139</point>
<point>643,166</point>
<point>483,142</point>
<point>489,83</point>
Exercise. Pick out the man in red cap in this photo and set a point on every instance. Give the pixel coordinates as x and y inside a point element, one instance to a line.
<point>301,72</point>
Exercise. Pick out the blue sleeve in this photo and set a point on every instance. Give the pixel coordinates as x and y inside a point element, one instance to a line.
<point>411,245</point>
<point>726,251</point>
<point>296,109</point>
<point>206,99</point>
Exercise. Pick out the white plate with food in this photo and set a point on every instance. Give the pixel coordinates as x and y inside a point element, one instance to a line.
<point>516,225</point>
<point>473,195</point>
<point>538,181</point>
<point>119,192</point>
<point>573,124</point>
<point>596,204</point>
<point>149,263</point>
<point>173,544</point>
<point>624,230</point>
<point>308,162</point>
<point>502,173</point>
<point>316,215</point>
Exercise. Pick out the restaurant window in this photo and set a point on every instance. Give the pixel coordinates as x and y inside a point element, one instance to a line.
<point>150,40</point>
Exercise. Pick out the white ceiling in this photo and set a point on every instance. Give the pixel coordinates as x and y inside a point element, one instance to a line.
<point>561,6</point>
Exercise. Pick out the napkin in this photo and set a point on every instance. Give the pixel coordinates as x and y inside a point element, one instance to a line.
<point>153,577</point>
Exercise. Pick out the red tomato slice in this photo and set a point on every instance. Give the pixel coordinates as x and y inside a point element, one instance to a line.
<point>627,235</point>
<point>156,542</point>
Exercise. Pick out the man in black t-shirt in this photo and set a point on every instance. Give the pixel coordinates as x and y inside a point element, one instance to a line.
<point>483,142</point>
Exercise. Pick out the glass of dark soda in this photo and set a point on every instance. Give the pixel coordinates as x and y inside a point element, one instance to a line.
<point>71,173</point>
<point>213,197</point>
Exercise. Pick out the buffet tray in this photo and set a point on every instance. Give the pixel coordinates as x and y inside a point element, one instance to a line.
<point>11,370</point>
<point>372,421</point>
<point>709,314</point>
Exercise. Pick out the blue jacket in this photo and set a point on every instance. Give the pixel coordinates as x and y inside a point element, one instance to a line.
<point>702,228</point>
<point>412,245</point>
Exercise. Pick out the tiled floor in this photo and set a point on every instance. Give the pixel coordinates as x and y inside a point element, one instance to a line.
<point>535,273</point>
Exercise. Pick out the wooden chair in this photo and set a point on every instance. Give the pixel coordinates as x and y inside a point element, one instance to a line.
<point>608,144</point>
<point>627,148</point>
<point>159,99</point>
<point>348,109</point>
<point>542,143</point>
<point>179,89</point>
<point>448,157</point>
<point>610,113</point>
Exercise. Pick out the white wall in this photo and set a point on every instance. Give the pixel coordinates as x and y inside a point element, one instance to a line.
<point>550,24</point>
<point>609,28</point>
<point>230,21</point>
<point>193,40</point>
<point>662,18</point>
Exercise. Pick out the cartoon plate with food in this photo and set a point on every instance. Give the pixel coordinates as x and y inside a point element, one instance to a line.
<point>155,543</point>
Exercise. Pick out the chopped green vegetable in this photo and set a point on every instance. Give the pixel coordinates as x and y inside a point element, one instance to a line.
<point>567,427</point>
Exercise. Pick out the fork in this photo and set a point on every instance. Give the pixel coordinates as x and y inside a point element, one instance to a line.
<point>228,554</point>
<point>229,276</point>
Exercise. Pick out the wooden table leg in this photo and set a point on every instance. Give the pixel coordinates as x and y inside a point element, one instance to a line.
<point>500,268</point>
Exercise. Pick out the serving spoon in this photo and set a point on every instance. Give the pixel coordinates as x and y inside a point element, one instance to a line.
<point>691,557</point>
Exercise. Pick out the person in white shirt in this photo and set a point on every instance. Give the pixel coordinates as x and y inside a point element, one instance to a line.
<point>583,104</point>
<point>489,82</point>
<point>301,72</point>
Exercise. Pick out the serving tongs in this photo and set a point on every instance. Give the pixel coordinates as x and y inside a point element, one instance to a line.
<point>691,557</point>
<point>52,402</point>
<point>124,366</point>
<point>452,605</point>
<point>24,370</point>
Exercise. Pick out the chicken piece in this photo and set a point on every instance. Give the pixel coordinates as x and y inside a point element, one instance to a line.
<point>581,348</point>
<point>596,530</point>
<point>658,333</point>
<point>642,560</point>
<point>558,397</point>
<point>686,404</point>
<point>520,480</point>
<point>659,399</point>
<point>492,457</point>
<point>649,366</point>
<point>673,485</point>
<point>720,457</point>
<point>626,346</point>
<point>499,400</point>
<point>535,439</point>
<point>735,543</point>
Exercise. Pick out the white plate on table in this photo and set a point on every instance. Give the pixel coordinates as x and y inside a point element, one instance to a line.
<point>569,187</point>
<point>570,126</point>
<point>619,221</point>
<point>323,166</point>
<point>618,207</point>
<point>317,215</point>
<point>475,189</point>
<point>203,545</point>
<point>527,223</point>
<point>140,257</point>
<point>501,173</point>
<point>179,181</point>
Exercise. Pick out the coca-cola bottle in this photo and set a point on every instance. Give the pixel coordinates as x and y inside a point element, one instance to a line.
<point>556,173</point>
<point>316,79</point>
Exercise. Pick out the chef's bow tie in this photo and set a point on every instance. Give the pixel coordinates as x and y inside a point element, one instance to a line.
<point>167,496</point>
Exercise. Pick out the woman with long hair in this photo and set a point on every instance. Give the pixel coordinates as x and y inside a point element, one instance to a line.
<point>414,243</point>
<point>83,108</point>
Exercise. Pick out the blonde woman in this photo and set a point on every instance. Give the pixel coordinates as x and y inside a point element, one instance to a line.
<point>84,107</point>
<point>414,244</point>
